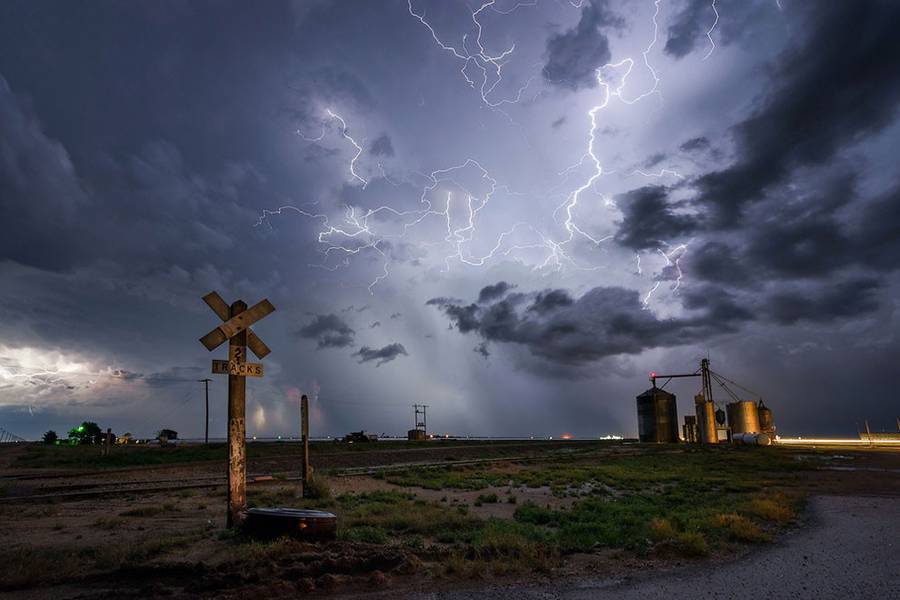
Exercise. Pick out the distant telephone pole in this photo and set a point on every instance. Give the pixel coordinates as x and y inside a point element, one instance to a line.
<point>424,422</point>
<point>206,383</point>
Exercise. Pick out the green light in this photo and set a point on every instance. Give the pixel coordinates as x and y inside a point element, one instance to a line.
<point>80,428</point>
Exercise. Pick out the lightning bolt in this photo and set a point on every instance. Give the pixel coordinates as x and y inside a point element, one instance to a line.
<point>712,44</point>
<point>346,135</point>
<point>489,66</point>
<point>680,250</point>
<point>608,92</point>
<point>354,232</point>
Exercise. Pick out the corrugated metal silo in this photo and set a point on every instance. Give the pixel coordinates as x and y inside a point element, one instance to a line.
<point>743,417</point>
<point>689,429</point>
<point>766,420</point>
<point>706,420</point>
<point>657,417</point>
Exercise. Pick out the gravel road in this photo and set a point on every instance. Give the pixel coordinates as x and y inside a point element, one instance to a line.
<point>851,549</point>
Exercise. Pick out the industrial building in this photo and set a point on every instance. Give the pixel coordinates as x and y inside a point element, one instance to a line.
<point>742,421</point>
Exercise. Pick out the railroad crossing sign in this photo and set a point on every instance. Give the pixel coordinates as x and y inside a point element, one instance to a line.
<point>225,367</point>
<point>235,329</point>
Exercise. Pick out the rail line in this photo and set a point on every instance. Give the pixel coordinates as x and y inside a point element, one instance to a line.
<point>64,493</point>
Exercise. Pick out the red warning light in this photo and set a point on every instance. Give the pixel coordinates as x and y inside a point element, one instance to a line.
<point>652,373</point>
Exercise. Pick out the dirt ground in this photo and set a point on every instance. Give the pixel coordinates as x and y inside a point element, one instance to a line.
<point>170,541</point>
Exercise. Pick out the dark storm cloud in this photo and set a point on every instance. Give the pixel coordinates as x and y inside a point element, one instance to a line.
<point>574,56</point>
<point>801,236</point>
<point>717,261</point>
<point>382,146</point>
<point>383,355</point>
<point>654,159</point>
<point>878,232</point>
<point>844,300</point>
<point>696,144</point>
<point>718,305</point>
<point>493,292</point>
<point>40,194</point>
<point>465,317</point>
<point>605,321</point>
<point>649,219</point>
<point>688,27</point>
<point>482,349</point>
<point>549,300</point>
<point>829,91</point>
<point>329,331</point>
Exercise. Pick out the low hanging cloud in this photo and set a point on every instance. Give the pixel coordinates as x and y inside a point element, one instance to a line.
<point>609,321</point>
<point>383,355</point>
<point>649,219</point>
<point>493,292</point>
<point>605,321</point>
<point>329,331</point>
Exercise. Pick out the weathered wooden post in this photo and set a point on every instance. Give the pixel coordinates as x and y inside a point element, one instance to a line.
<point>107,441</point>
<point>237,320</point>
<point>305,473</point>
<point>237,427</point>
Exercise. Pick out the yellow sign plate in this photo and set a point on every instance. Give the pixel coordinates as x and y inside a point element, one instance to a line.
<point>225,367</point>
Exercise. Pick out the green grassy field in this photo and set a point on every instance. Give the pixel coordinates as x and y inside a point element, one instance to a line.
<point>684,502</point>
<point>84,457</point>
<point>491,519</point>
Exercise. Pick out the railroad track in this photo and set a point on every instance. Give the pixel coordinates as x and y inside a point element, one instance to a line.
<point>78,491</point>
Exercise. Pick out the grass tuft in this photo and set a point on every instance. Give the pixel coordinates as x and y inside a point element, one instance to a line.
<point>740,528</point>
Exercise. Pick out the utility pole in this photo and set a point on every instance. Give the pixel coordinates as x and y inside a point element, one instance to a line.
<point>206,382</point>
<point>424,422</point>
<point>305,472</point>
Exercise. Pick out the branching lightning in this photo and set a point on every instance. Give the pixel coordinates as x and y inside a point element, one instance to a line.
<point>356,231</point>
<point>490,67</point>
<point>712,44</point>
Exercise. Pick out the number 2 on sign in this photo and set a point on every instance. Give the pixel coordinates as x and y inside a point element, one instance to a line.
<point>237,354</point>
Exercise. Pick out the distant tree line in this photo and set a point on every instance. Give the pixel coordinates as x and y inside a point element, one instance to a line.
<point>90,433</point>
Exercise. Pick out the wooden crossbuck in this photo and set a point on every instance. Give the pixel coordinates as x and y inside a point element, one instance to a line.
<point>235,329</point>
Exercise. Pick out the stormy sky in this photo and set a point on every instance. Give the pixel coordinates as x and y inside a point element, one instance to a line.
<point>509,211</point>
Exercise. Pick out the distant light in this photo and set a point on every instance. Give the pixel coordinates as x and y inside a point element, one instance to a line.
<point>653,374</point>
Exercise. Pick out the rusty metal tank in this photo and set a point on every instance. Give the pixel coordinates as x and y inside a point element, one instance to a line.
<point>706,420</point>
<point>766,420</point>
<point>689,429</point>
<point>751,439</point>
<point>743,417</point>
<point>657,417</point>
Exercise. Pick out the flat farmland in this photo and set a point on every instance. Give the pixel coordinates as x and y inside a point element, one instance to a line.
<point>413,516</point>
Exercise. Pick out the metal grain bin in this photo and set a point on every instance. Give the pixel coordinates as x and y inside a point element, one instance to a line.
<point>706,420</point>
<point>689,429</point>
<point>657,417</point>
<point>743,417</point>
<point>766,420</point>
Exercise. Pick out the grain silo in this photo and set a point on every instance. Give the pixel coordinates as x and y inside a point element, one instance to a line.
<point>706,420</point>
<point>743,417</point>
<point>689,429</point>
<point>766,420</point>
<point>657,417</point>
